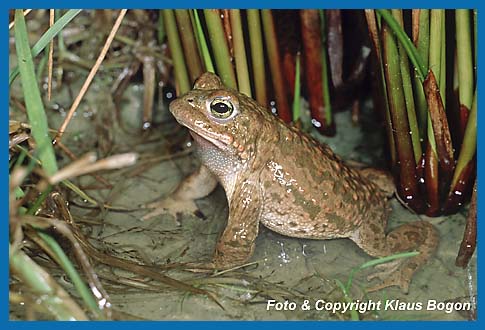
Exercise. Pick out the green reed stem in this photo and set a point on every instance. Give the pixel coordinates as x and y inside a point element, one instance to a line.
<point>220,48</point>
<point>206,57</point>
<point>408,92</point>
<point>464,57</point>
<point>191,51</point>
<point>475,34</point>
<point>400,124</point>
<point>443,62</point>
<point>257,56</point>
<point>421,69</point>
<point>161,33</point>
<point>242,70</point>
<point>469,145</point>
<point>181,75</point>
<point>373,21</point>
<point>421,40</point>
<point>435,46</point>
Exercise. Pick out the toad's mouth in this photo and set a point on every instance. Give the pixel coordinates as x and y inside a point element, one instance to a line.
<point>205,138</point>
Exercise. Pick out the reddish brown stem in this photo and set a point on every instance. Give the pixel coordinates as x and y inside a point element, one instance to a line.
<point>226,23</point>
<point>335,46</point>
<point>441,132</point>
<point>431,181</point>
<point>379,92</point>
<point>464,112</point>
<point>289,42</point>
<point>289,67</point>
<point>312,50</point>
<point>408,186</point>
<point>461,190</point>
<point>275,65</point>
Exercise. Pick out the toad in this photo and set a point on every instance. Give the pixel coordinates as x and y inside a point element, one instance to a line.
<point>275,175</point>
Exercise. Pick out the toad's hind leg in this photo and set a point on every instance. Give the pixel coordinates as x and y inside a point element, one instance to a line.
<point>418,236</point>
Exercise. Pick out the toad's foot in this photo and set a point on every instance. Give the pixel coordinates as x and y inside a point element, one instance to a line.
<point>171,205</point>
<point>418,236</point>
<point>182,201</point>
<point>398,272</point>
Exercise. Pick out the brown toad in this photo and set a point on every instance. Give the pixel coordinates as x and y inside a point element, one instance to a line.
<point>275,175</point>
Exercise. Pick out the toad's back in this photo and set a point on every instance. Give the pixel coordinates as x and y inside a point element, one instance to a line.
<point>310,193</point>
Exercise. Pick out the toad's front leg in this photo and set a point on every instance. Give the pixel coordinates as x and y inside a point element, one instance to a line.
<point>236,244</point>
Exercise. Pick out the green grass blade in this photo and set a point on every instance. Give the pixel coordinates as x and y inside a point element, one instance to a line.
<point>47,37</point>
<point>375,262</point>
<point>412,52</point>
<point>353,312</point>
<point>383,260</point>
<point>33,100</point>
<point>66,264</point>
<point>41,283</point>
<point>42,65</point>
<point>79,192</point>
<point>45,150</point>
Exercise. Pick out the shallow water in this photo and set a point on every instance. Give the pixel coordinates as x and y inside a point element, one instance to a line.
<point>287,268</point>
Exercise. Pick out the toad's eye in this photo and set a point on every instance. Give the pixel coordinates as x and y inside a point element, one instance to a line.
<point>221,108</point>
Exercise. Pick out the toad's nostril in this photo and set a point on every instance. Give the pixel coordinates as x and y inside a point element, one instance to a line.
<point>190,100</point>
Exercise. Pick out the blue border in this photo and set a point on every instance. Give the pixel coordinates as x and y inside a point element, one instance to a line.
<point>281,4</point>
<point>4,171</point>
<point>5,5</point>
